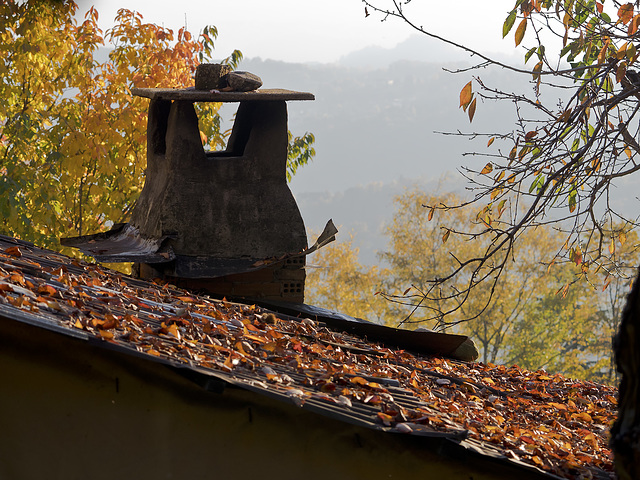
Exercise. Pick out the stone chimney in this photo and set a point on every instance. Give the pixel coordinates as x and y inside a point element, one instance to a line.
<point>224,222</point>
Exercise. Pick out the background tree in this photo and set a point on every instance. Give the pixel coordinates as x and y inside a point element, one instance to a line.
<point>532,319</point>
<point>72,137</point>
<point>338,281</point>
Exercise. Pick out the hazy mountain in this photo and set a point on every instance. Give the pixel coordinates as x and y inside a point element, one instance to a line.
<point>376,134</point>
<point>375,131</point>
<point>365,211</point>
<point>417,48</point>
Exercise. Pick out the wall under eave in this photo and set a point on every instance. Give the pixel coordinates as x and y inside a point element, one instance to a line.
<point>69,410</point>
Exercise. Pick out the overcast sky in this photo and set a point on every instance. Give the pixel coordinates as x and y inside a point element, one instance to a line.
<point>316,30</point>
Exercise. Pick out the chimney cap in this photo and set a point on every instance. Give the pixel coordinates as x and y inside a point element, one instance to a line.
<point>193,95</point>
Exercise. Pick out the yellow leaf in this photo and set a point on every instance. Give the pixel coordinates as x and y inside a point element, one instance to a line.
<point>536,70</point>
<point>622,237</point>
<point>106,334</point>
<point>465,95</point>
<point>612,248</point>
<point>445,237</point>
<point>520,31</point>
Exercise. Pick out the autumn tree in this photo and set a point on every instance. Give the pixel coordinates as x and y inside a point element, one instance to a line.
<point>338,281</point>
<point>72,137</point>
<point>532,320</point>
<point>504,319</point>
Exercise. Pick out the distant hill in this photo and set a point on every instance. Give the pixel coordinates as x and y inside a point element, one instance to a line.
<point>365,211</point>
<point>375,136</point>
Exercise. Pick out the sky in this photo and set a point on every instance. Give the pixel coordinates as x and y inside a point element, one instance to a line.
<point>316,30</point>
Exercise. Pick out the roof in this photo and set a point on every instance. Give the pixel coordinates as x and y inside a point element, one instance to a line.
<point>535,420</point>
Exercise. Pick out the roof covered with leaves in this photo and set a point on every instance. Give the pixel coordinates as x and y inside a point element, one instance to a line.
<point>531,419</point>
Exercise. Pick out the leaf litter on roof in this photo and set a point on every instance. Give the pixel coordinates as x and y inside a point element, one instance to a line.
<point>547,421</point>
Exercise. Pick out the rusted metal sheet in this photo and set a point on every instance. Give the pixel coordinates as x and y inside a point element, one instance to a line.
<point>424,342</point>
<point>123,243</point>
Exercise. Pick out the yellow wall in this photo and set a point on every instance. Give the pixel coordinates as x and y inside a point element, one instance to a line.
<point>72,411</point>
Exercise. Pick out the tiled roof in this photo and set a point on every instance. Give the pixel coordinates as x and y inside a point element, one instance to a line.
<point>532,419</point>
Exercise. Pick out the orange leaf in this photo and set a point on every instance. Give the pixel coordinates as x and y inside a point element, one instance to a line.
<point>536,70</point>
<point>625,13</point>
<point>255,338</point>
<point>488,168</point>
<point>445,237</point>
<point>173,330</point>
<point>359,381</point>
<point>490,141</point>
<point>465,95</point>
<point>520,31</point>
<point>621,72</point>
<point>47,290</point>
<point>13,251</point>
<point>385,419</point>
<point>430,216</point>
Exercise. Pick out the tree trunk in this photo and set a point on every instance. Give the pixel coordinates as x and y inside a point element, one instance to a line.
<point>625,433</point>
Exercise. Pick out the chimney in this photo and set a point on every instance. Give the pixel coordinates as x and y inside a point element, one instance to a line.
<point>224,222</point>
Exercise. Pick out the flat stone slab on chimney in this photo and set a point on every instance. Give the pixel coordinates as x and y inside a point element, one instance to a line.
<point>193,95</point>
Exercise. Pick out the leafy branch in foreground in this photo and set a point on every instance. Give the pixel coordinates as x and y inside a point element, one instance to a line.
<point>562,163</point>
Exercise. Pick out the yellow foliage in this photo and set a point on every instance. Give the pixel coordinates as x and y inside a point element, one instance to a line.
<point>71,131</point>
<point>337,281</point>
<point>521,319</point>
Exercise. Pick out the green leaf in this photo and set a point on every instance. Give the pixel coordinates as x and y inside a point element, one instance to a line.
<point>541,51</point>
<point>527,56</point>
<point>573,195</point>
<point>508,23</point>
